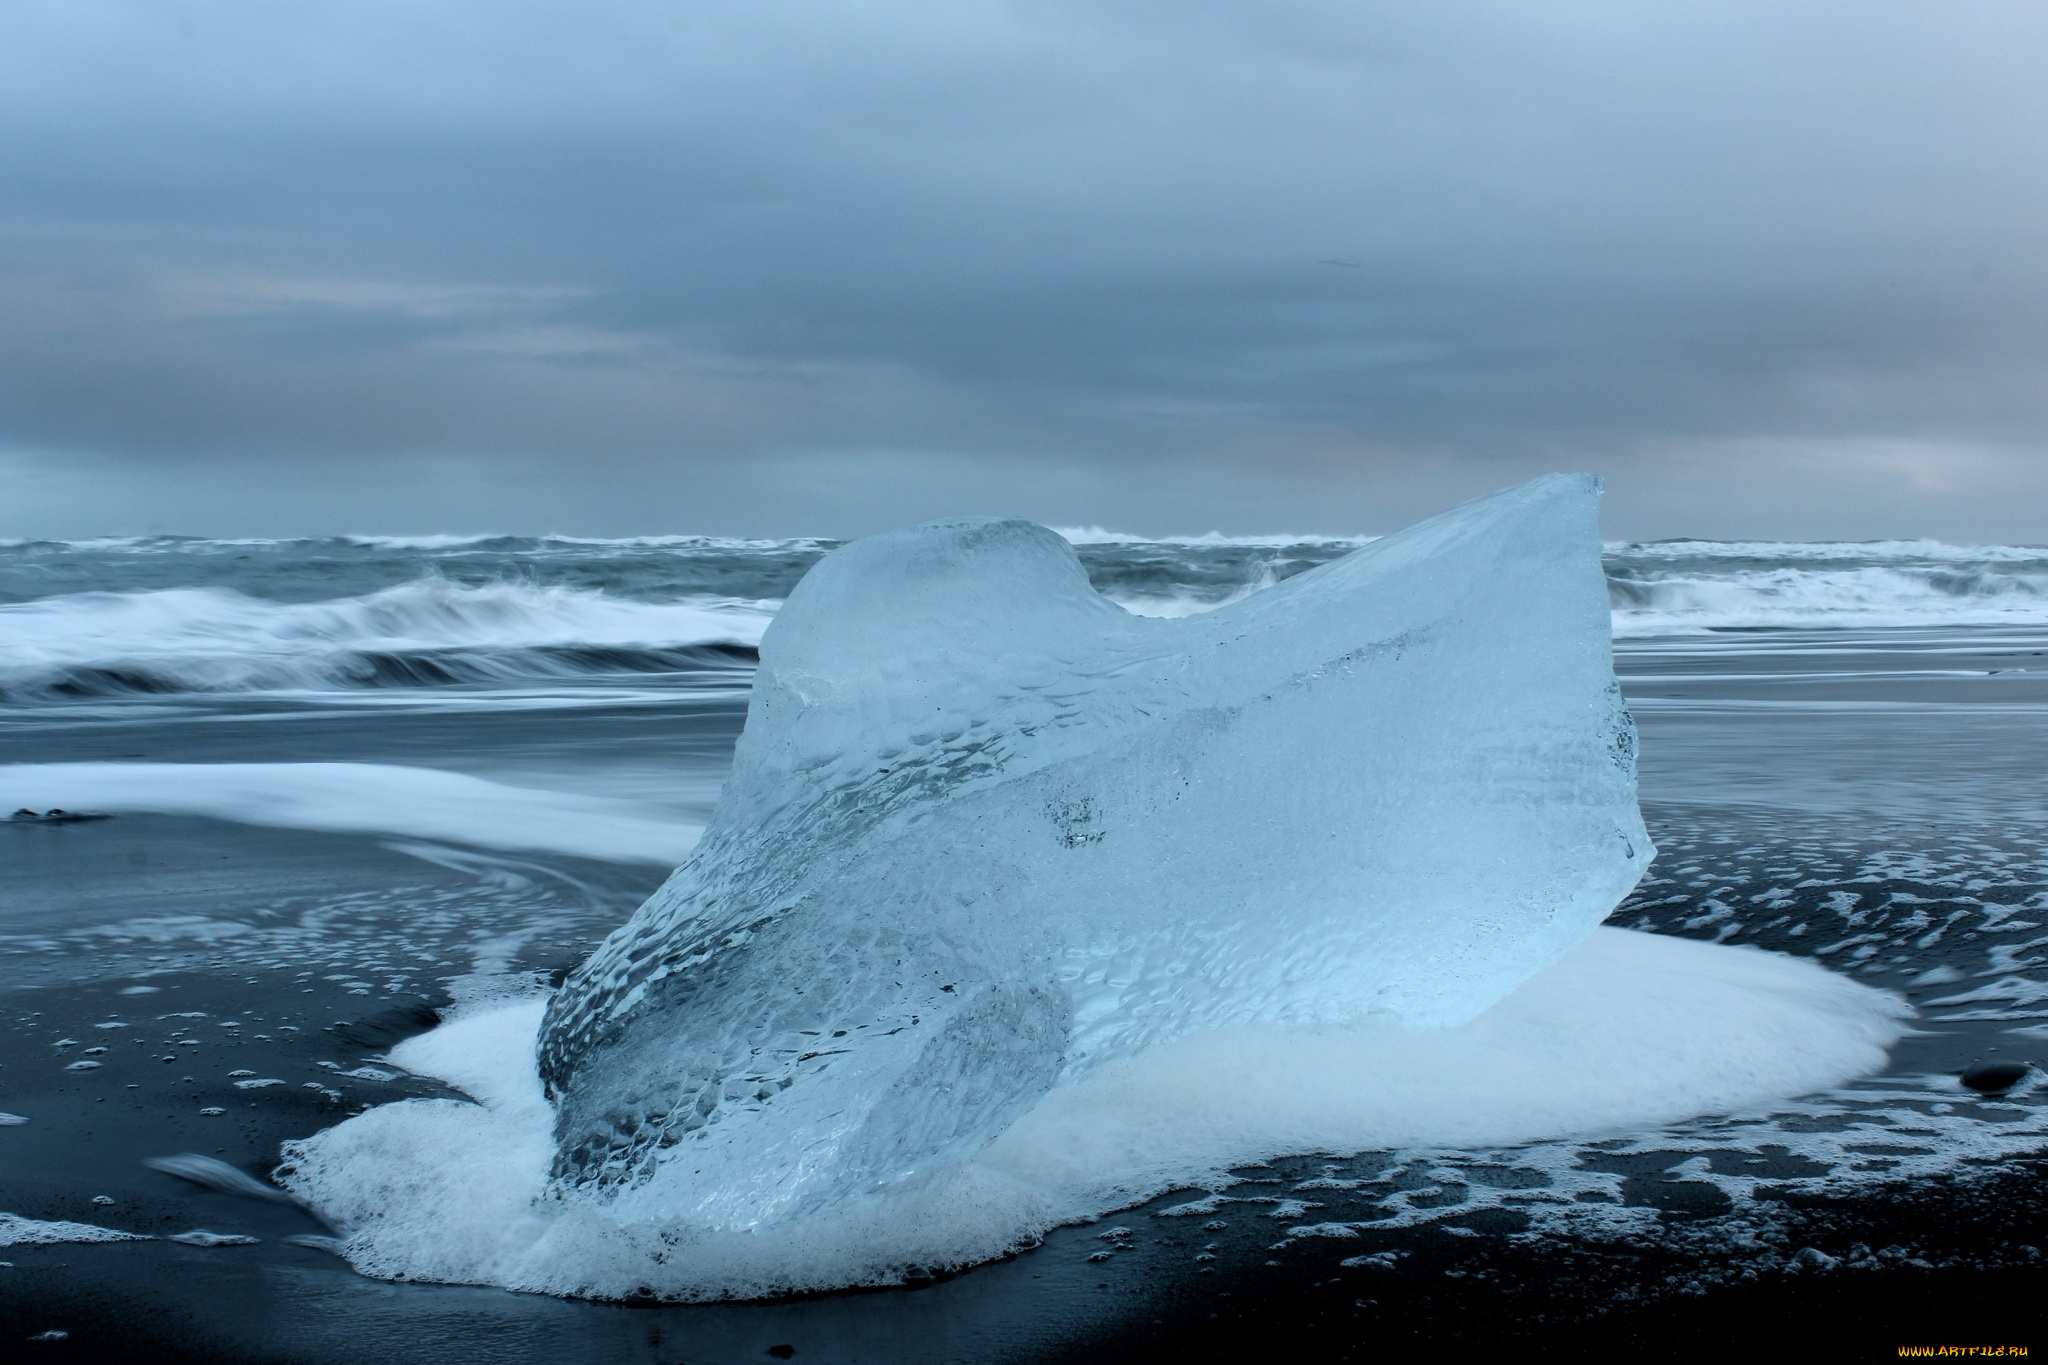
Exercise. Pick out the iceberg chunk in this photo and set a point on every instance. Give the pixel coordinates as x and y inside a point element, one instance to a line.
<point>986,832</point>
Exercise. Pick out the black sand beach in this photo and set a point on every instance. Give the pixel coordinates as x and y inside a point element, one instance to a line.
<point>176,984</point>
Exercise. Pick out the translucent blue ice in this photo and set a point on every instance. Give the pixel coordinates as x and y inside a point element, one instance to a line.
<point>986,831</point>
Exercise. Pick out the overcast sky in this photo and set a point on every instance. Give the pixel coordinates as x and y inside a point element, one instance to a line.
<point>1775,268</point>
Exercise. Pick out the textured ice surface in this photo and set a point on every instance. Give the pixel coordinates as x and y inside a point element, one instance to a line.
<point>987,832</point>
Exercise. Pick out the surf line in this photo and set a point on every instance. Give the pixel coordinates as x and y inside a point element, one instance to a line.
<point>362,798</point>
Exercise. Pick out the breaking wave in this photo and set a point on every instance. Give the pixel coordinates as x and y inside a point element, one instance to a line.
<point>1676,587</point>
<point>1655,588</point>
<point>422,633</point>
<point>102,619</point>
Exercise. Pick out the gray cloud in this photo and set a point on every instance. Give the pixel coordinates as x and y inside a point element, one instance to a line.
<point>1775,268</point>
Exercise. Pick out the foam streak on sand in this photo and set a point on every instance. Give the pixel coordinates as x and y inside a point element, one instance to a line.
<point>18,1231</point>
<point>1625,1032</point>
<point>360,798</point>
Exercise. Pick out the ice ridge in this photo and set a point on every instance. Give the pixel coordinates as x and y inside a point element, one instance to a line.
<point>986,831</point>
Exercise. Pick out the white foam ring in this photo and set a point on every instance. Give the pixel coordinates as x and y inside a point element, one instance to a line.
<point>1624,1033</point>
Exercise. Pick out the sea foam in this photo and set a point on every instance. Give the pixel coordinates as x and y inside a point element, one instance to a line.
<point>1625,1032</point>
<point>361,798</point>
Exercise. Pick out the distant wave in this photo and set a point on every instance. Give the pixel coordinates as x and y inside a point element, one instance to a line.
<point>170,615</point>
<point>798,544</point>
<point>166,544</point>
<point>1690,586</point>
<point>421,633</point>
<point>1658,588</point>
<point>1186,603</point>
<point>1690,604</point>
<point>1829,551</point>
<point>1096,535</point>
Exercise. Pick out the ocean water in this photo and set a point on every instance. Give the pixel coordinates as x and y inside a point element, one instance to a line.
<point>346,784</point>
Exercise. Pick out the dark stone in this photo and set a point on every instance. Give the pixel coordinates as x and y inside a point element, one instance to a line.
<point>782,1352</point>
<point>1990,1077</point>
